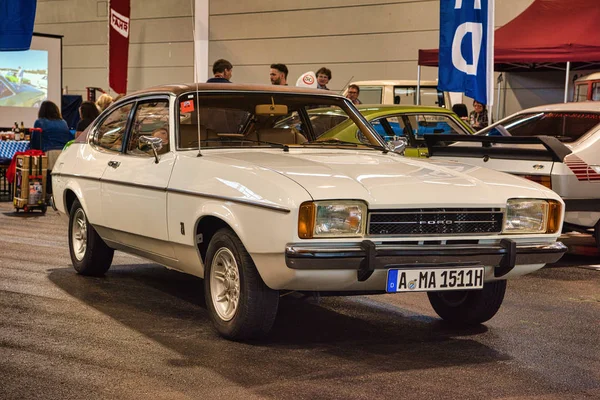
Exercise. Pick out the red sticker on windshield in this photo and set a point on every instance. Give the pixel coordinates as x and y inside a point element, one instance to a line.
<point>187,106</point>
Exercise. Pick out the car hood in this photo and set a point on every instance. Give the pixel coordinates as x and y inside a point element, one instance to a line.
<point>385,180</point>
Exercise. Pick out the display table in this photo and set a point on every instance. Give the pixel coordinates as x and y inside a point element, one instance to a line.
<point>8,148</point>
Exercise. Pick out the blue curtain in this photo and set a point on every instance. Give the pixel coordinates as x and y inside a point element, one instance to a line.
<point>16,24</point>
<point>70,109</point>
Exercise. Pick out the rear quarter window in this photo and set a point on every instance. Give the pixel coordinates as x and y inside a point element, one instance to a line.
<point>565,126</point>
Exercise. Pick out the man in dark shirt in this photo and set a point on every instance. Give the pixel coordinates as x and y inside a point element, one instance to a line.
<point>222,70</point>
<point>278,74</point>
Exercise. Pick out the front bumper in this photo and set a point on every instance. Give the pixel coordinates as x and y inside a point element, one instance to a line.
<point>366,256</point>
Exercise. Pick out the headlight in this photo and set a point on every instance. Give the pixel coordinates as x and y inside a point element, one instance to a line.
<point>341,218</point>
<point>532,216</point>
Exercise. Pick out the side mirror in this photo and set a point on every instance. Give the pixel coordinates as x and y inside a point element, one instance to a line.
<point>146,143</point>
<point>398,145</point>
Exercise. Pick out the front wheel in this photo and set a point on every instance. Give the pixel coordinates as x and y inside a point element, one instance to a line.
<point>89,254</point>
<point>239,303</point>
<point>469,307</point>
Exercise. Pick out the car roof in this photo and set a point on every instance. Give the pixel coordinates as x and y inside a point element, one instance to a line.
<point>590,77</point>
<point>370,109</point>
<point>591,106</point>
<point>406,82</point>
<point>178,89</point>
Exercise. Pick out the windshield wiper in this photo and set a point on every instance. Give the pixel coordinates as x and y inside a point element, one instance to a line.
<point>344,143</point>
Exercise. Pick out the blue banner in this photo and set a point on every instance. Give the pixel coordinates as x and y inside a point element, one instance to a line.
<point>466,62</point>
<point>16,24</point>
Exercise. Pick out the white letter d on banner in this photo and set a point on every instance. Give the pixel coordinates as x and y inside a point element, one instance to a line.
<point>459,62</point>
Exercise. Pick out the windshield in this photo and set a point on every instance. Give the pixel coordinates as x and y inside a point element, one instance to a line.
<point>565,126</point>
<point>251,119</point>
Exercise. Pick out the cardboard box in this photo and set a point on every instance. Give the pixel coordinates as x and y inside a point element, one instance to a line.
<point>30,181</point>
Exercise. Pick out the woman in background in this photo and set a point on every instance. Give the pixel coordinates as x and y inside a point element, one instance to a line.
<point>55,131</point>
<point>55,134</point>
<point>478,119</point>
<point>88,113</point>
<point>104,101</point>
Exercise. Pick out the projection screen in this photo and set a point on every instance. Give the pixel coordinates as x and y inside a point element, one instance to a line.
<point>29,77</point>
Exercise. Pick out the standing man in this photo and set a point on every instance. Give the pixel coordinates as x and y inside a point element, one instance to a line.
<point>323,78</point>
<point>352,94</point>
<point>278,74</point>
<point>222,70</point>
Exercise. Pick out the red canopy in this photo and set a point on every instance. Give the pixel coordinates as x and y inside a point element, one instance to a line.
<point>546,33</point>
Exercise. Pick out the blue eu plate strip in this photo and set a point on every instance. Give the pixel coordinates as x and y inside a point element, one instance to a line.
<point>392,280</point>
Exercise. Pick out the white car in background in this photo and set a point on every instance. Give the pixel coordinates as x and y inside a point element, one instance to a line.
<point>201,179</point>
<point>402,92</point>
<point>565,158</point>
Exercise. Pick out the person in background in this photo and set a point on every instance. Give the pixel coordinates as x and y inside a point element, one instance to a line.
<point>104,101</point>
<point>55,134</point>
<point>278,74</point>
<point>323,78</point>
<point>88,112</point>
<point>478,118</point>
<point>55,131</point>
<point>222,71</point>
<point>352,94</point>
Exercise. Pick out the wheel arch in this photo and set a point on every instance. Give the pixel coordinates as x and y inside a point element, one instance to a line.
<point>205,229</point>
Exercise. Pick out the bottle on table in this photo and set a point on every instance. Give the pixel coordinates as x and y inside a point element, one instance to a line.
<point>17,132</point>
<point>24,132</point>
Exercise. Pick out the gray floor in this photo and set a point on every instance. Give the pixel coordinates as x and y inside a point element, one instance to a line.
<point>142,332</point>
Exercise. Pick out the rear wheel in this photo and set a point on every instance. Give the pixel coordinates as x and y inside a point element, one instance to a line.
<point>89,254</point>
<point>469,307</point>
<point>239,303</point>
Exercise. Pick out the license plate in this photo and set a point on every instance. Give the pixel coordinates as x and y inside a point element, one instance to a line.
<point>434,279</point>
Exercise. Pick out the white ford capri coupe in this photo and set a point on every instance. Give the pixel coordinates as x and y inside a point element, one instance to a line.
<point>199,178</point>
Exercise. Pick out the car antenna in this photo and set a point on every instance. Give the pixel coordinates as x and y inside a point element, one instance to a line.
<point>198,121</point>
<point>197,105</point>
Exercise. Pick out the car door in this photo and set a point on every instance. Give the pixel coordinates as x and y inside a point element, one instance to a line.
<point>105,143</point>
<point>133,186</point>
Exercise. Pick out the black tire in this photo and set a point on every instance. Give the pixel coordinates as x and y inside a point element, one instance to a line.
<point>469,307</point>
<point>256,308</point>
<point>89,254</point>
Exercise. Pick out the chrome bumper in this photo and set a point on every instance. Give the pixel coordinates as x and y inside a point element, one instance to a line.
<point>367,256</point>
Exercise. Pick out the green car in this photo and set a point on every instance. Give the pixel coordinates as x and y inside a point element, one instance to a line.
<point>394,123</point>
<point>24,96</point>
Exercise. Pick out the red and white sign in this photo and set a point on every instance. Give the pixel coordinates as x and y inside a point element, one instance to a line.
<point>119,22</point>
<point>118,38</point>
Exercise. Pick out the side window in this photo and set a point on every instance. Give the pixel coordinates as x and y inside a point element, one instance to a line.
<point>427,124</point>
<point>370,94</point>
<point>109,135</point>
<point>388,127</point>
<point>397,125</point>
<point>581,92</point>
<point>151,119</point>
<point>596,91</point>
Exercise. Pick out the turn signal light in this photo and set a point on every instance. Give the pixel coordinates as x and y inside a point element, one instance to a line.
<point>554,216</point>
<point>543,180</point>
<point>306,220</point>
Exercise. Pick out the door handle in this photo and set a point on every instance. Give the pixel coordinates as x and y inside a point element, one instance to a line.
<point>114,164</point>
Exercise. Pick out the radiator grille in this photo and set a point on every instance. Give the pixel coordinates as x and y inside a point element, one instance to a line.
<point>448,221</point>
